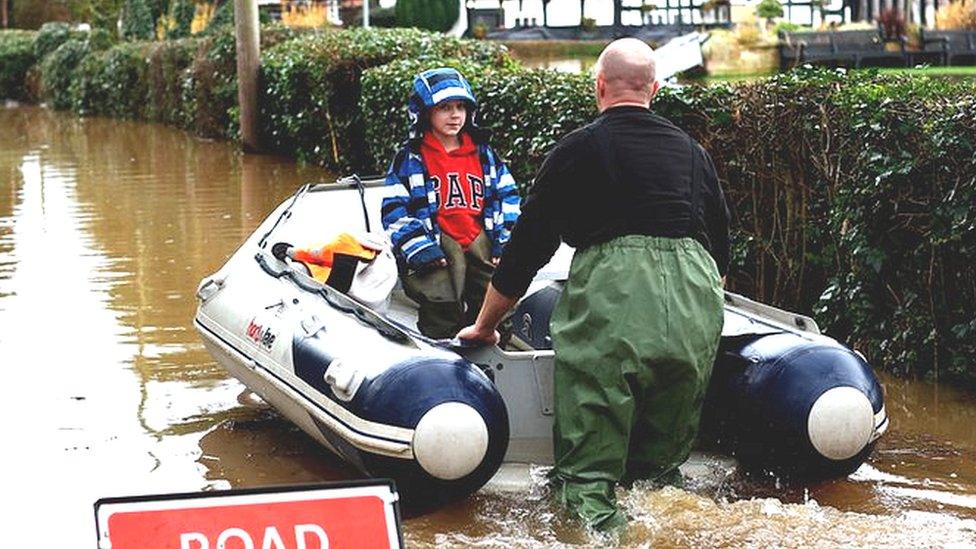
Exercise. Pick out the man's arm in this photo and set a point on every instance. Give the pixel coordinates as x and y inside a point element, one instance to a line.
<point>535,238</point>
<point>493,310</point>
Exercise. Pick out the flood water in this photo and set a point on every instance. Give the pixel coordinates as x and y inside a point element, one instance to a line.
<point>106,227</point>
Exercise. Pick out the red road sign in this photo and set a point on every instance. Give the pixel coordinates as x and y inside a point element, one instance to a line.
<point>352,514</point>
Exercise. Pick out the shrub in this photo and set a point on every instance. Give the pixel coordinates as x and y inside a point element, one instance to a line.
<point>435,15</point>
<point>786,26</point>
<point>49,37</point>
<point>112,82</point>
<point>769,9</point>
<point>16,58</point>
<point>854,194</point>
<point>169,62</point>
<point>311,86</point>
<point>209,87</point>
<point>182,15</point>
<point>223,18</point>
<point>378,17</point>
<point>101,39</point>
<point>958,15</point>
<point>892,23</point>
<point>138,22</point>
<point>905,216</point>
<point>57,72</point>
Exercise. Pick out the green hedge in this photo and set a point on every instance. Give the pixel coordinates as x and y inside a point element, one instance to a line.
<point>854,195</point>
<point>50,36</point>
<point>311,86</point>
<point>904,213</point>
<point>58,72</point>
<point>527,110</point>
<point>112,82</point>
<point>16,58</point>
<point>168,63</point>
<point>435,15</point>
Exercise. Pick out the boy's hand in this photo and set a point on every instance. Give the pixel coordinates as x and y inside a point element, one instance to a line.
<point>431,266</point>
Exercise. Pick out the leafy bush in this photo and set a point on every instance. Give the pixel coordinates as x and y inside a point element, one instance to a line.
<point>138,22</point>
<point>209,88</point>
<point>16,58</point>
<point>787,26</point>
<point>49,37</point>
<point>112,82</point>
<point>223,18</point>
<point>58,71</point>
<point>905,215</point>
<point>435,15</point>
<point>378,17</point>
<point>101,39</point>
<point>892,23</point>
<point>769,9</point>
<point>311,86</point>
<point>527,110</point>
<point>957,15</point>
<point>169,62</point>
<point>182,14</point>
<point>854,194</point>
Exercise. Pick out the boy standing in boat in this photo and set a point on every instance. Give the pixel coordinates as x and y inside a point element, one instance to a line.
<point>453,204</point>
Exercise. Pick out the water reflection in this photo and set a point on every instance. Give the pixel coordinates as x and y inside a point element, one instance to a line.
<point>106,228</point>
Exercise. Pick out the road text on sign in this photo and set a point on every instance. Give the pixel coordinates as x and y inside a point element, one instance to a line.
<point>361,514</point>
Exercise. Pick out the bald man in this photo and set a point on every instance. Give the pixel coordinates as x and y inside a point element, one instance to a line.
<point>638,323</point>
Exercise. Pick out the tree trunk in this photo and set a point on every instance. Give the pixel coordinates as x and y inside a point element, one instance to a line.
<point>3,13</point>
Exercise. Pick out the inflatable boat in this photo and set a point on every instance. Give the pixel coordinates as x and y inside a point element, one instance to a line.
<point>340,356</point>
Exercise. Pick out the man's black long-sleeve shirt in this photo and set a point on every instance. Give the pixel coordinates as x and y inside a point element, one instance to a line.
<point>628,172</point>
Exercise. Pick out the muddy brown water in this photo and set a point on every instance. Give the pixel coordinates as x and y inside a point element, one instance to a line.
<point>106,227</point>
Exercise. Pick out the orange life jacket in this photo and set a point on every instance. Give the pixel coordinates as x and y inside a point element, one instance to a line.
<point>345,249</point>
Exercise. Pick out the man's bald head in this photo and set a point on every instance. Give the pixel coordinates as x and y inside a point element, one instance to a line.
<point>625,74</point>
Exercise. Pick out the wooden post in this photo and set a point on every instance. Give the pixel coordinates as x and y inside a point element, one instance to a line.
<point>248,59</point>
<point>3,13</point>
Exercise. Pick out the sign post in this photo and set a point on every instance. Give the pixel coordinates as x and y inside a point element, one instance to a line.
<point>352,514</point>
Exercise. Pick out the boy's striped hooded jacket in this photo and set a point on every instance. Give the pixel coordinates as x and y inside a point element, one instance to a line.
<point>409,213</point>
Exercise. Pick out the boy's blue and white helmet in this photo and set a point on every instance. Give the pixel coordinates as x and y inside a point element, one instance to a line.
<point>433,87</point>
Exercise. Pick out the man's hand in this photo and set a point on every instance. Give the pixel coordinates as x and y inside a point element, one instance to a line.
<point>477,335</point>
<point>494,261</point>
<point>492,310</point>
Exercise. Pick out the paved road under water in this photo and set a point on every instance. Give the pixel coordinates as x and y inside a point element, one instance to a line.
<point>106,227</point>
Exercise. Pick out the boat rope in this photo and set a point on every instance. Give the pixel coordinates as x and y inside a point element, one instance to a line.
<point>285,214</point>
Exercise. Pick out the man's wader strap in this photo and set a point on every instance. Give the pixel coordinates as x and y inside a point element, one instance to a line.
<point>607,158</point>
<point>697,179</point>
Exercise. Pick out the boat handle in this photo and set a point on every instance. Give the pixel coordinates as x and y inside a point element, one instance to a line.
<point>209,288</point>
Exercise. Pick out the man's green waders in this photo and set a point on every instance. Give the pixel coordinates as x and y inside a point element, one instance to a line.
<point>635,332</point>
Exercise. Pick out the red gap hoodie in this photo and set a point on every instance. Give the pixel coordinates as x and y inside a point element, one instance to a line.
<point>458,179</point>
